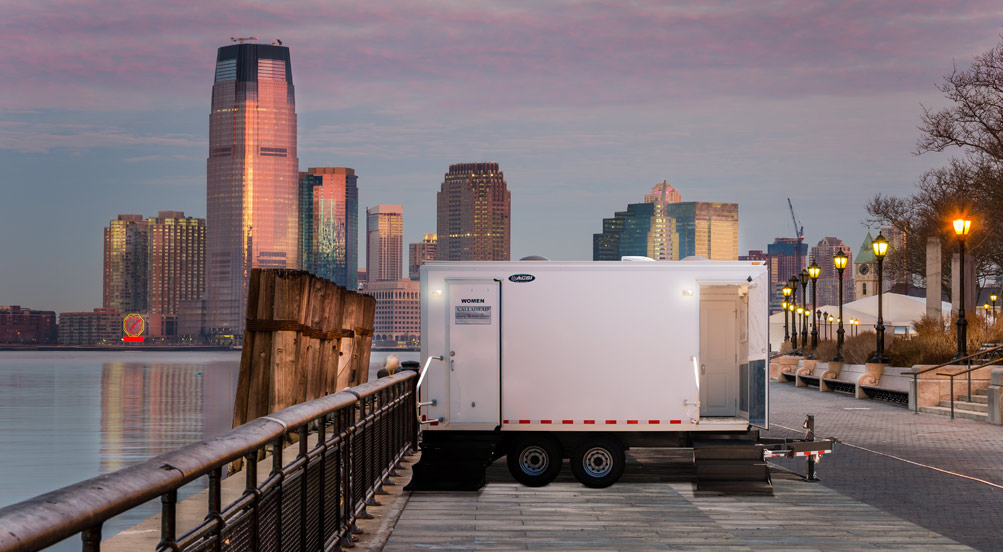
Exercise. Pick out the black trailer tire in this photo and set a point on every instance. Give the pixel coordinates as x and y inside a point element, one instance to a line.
<point>534,460</point>
<point>598,461</point>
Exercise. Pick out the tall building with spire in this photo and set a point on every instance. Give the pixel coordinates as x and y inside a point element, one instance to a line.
<point>384,242</point>
<point>828,281</point>
<point>473,209</point>
<point>251,178</point>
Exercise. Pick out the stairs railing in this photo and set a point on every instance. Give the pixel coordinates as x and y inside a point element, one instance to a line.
<point>981,355</point>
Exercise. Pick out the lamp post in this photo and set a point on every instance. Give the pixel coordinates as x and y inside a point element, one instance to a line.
<point>880,246</point>
<point>961,228</point>
<point>803,278</point>
<point>797,324</point>
<point>993,298</point>
<point>856,326</point>
<point>839,260</point>
<point>787,294</point>
<point>814,272</point>
<point>828,329</point>
<point>793,284</point>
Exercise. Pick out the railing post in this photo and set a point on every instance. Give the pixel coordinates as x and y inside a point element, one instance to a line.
<point>303,483</point>
<point>915,386</point>
<point>952,396</point>
<point>168,520</point>
<point>277,470</point>
<point>251,487</point>
<point>91,538</point>
<point>216,506</point>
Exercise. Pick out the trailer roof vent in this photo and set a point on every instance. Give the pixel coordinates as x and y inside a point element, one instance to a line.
<point>534,258</point>
<point>638,259</point>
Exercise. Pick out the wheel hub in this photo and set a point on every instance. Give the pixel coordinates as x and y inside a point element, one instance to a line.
<point>597,461</point>
<point>533,460</point>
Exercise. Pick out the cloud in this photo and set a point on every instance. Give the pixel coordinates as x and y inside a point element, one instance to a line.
<point>40,137</point>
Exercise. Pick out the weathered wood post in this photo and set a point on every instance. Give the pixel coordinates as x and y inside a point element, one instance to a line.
<point>351,315</point>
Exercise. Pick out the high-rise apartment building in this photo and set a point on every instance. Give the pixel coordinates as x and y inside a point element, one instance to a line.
<point>705,229</point>
<point>126,264</point>
<point>828,281</point>
<point>329,224</point>
<point>176,261</point>
<point>398,312</point>
<point>251,177</point>
<point>384,243</point>
<point>643,230</point>
<point>152,265</point>
<point>18,325</point>
<point>472,214</point>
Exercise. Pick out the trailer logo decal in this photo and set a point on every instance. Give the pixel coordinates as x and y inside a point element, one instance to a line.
<point>520,278</point>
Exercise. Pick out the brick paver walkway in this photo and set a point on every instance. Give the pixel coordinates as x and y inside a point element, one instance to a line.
<point>966,510</point>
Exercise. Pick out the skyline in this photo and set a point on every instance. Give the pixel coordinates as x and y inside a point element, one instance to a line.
<point>585,108</point>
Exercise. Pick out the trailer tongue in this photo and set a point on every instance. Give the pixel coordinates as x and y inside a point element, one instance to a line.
<point>542,361</point>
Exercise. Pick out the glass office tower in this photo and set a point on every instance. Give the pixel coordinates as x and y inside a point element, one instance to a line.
<point>329,224</point>
<point>251,177</point>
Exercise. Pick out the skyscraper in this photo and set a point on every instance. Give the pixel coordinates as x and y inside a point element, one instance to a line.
<point>419,252</point>
<point>663,192</point>
<point>705,229</point>
<point>787,256</point>
<point>384,242</point>
<point>251,177</point>
<point>473,210</point>
<point>126,264</point>
<point>329,224</point>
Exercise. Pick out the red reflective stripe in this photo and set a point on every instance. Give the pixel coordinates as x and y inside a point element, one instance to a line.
<point>590,421</point>
<point>504,421</point>
<point>654,421</point>
<point>631,421</point>
<point>424,418</point>
<point>523,421</point>
<point>545,421</point>
<point>675,421</point>
<point>567,421</point>
<point>610,421</point>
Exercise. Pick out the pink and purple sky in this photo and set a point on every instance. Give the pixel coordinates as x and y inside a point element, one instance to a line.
<point>586,104</point>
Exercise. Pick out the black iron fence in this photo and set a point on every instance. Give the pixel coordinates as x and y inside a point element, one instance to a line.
<point>349,445</point>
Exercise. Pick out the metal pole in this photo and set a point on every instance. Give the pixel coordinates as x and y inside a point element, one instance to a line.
<point>962,323</point>
<point>814,315</point>
<point>839,328</point>
<point>804,324</point>
<point>787,334</point>
<point>879,329</point>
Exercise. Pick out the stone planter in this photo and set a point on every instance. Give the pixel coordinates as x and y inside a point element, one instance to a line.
<point>832,371</point>
<point>871,377</point>
<point>807,368</point>
<point>784,365</point>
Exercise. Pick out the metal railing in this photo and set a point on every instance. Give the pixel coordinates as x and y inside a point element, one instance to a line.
<point>982,354</point>
<point>309,503</point>
<point>968,371</point>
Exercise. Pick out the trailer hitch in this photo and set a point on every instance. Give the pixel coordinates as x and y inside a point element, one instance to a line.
<point>807,446</point>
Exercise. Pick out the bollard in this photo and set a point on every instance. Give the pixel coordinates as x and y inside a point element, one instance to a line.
<point>809,425</point>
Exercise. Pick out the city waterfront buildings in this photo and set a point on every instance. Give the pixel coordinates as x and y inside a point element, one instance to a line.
<point>787,257</point>
<point>419,252</point>
<point>329,224</point>
<point>473,209</point>
<point>251,181</point>
<point>384,243</point>
<point>151,265</point>
<point>27,326</point>
<point>669,230</point>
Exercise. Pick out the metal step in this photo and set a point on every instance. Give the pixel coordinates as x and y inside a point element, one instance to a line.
<point>967,414</point>
<point>726,450</point>
<point>964,405</point>
<point>736,487</point>
<point>731,465</point>
<point>734,470</point>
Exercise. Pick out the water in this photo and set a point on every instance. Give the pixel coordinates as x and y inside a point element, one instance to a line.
<point>69,416</point>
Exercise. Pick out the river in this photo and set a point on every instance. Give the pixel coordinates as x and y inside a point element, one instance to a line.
<point>66,416</point>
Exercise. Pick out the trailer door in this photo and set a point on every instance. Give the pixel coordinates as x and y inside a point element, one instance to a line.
<point>474,339</point>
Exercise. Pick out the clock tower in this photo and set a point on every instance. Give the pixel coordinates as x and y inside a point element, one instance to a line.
<point>865,270</point>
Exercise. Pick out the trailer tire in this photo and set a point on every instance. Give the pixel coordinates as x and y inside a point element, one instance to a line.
<point>534,460</point>
<point>598,461</point>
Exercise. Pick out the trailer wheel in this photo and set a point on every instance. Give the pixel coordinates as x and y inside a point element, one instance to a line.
<point>534,460</point>
<point>598,461</point>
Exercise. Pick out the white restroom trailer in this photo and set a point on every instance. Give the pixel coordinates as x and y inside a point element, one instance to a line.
<point>545,360</point>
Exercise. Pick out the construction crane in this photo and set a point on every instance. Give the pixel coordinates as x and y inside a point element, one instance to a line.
<point>798,228</point>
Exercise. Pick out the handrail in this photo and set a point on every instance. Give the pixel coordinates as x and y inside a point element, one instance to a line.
<point>963,372</point>
<point>424,370</point>
<point>915,376</point>
<point>83,507</point>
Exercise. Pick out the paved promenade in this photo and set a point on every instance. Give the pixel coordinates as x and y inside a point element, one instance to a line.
<point>880,491</point>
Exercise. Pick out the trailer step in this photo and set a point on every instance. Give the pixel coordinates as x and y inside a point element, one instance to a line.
<point>731,465</point>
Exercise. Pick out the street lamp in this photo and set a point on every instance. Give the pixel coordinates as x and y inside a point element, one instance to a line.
<point>856,326</point>
<point>794,332</point>
<point>814,272</point>
<point>961,229</point>
<point>803,278</point>
<point>787,294</point>
<point>993,298</point>
<point>880,247</point>
<point>793,283</point>
<point>828,330</point>
<point>839,259</point>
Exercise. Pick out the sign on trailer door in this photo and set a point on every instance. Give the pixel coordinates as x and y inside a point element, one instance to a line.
<point>474,338</point>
